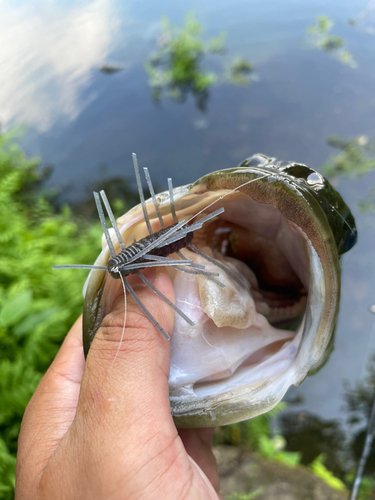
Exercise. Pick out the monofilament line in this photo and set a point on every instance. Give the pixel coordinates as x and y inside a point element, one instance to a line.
<point>123,325</point>
<point>227,194</point>
<point>365,452</point>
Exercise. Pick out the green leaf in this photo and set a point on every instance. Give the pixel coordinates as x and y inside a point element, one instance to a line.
<point>15,308</point>
<point>266,447</point>
<point>33,320</point>
<point>291,458</point>
<point>320,470</point>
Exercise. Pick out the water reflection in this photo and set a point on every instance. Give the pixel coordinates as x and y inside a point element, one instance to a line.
<point>365,20</point>
<point>176,68</point>
<point>48,53</point>
<point>356,158</point>
<point>109,69</point>
<point>321,37</point>
<point>312,436</point>
<point>118,189</point>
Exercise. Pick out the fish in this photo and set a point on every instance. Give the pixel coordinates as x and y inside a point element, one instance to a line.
<point>275,248</point>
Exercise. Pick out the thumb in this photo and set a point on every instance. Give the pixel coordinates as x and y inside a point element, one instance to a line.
<point>126,382</point>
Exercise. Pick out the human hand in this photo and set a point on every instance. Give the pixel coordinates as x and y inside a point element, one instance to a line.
<point>94,433</point>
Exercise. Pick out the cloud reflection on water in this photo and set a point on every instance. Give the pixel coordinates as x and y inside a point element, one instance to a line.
<point>47,56</point>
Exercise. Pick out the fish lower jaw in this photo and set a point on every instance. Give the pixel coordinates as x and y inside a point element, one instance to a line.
<point>254,363</point>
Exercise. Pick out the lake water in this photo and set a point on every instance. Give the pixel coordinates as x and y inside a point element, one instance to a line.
<point>79,119</point>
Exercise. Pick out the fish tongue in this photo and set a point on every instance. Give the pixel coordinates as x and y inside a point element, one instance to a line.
<point>233,305</point>
<point>228,327</point>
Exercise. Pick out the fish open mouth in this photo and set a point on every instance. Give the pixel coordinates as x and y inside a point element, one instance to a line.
<point>247,334</point>
<point>278,244</point>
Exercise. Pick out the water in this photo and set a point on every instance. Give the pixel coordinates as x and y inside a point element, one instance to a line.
<point>79,119</point>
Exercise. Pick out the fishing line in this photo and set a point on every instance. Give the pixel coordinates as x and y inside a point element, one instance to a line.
<point>227,194</point>
<point>123,325</point>
<point>365,452</point>
<point>346,222</point>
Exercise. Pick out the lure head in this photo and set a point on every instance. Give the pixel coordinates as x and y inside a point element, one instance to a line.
<point>112,268</point>
<point>282,232</point>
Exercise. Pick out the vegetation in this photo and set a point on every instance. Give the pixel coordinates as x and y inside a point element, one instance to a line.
<point>356,158</point>
<point>246,496</point>
<point>37,305</point>
<point>321,38</point>
<point>320,470</point>
<point>239,71</point>
<point>255,434</point>
<point>177,66</point>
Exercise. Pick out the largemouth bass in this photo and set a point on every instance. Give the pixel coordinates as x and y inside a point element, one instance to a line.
<point>281,235</point>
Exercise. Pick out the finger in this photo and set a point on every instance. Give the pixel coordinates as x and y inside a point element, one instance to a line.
<point>198,445</point>
<point>52,408</point>
<point>125,384</point>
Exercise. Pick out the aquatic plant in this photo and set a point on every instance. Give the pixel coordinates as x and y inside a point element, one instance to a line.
<point>239,71</point>
<point>320,37</point>
<point>177,66</point>
<point>37,306</point>
<point>368,203</point>
<point>356,158</point>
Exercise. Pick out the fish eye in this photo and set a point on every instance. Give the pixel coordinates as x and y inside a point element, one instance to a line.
<point>314,178</point>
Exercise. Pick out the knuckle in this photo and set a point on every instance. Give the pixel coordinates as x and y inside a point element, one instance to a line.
<point>137,328</point>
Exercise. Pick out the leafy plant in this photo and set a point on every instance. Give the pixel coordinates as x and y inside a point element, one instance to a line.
<point>320,470</point>
<point>239,71</point>
<point>256,435</point>
<point>177,66</point>
<point>273,448</point>
<point>321,38</point>
<point>37,305</point>
<point>356,158</point>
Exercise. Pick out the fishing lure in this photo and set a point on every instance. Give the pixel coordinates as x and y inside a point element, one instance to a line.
<point>153,250</point>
